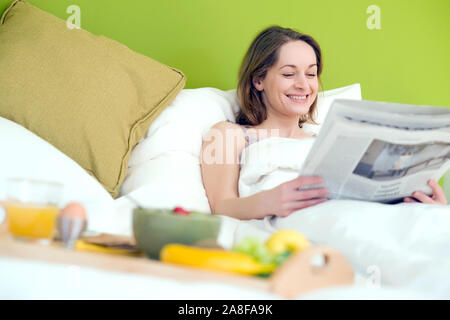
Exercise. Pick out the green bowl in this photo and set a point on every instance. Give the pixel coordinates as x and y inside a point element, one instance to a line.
<point>154,228</point>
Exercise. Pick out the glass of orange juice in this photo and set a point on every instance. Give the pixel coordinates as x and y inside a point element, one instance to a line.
<point>32,208</point>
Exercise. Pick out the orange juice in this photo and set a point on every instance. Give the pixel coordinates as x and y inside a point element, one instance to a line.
<point>31,220</point>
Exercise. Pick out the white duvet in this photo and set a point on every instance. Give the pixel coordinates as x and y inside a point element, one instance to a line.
<point>404,246</point>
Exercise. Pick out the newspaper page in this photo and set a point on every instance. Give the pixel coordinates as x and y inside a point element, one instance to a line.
<point>378,151</point>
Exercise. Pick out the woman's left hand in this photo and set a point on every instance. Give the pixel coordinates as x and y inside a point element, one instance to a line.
<point>438,196</point>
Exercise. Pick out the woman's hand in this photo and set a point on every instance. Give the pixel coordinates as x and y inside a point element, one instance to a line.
<point>438,196</point>
<point>287,198</point>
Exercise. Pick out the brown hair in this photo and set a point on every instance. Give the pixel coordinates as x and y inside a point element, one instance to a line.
<point>261,56</point>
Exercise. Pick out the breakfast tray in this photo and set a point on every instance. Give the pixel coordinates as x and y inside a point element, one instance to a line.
<point>297,275</point>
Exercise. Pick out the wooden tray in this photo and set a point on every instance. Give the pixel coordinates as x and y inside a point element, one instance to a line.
<point>299,274</point>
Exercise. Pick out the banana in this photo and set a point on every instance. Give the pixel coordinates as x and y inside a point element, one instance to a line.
<point>213,259</point>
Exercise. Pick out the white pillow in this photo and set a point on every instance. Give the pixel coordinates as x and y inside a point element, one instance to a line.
<point>25,155</point>
<point>167,181</point>
<point>164,169</point>
<point>181,125</point>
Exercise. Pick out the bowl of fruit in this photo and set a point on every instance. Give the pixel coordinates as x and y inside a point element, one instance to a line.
<point>154,228</point>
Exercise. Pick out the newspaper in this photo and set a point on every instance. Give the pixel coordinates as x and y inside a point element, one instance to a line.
<point>378,151</point>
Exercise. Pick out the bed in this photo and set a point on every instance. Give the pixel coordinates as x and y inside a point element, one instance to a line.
<point>398,251</point>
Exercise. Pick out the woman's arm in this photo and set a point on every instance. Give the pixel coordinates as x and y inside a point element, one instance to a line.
<point>220,172</point>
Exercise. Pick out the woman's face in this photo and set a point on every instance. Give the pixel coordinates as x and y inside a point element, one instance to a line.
<point>290,86</point>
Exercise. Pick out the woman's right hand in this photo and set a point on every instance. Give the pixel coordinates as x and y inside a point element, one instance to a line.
<point>287,198</point>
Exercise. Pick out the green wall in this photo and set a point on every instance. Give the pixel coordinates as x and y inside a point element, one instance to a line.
<point>405,61</point>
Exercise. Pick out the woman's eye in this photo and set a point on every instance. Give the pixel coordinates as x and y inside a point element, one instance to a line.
<point>288,75</point>
<point>311,75</point>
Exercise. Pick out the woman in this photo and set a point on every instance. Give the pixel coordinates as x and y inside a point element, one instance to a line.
<point>277,91</point>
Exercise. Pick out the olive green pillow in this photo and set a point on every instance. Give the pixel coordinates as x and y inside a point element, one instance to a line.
<point>89,96</point>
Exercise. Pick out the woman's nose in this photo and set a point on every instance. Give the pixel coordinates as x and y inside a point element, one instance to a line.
<point>300,82</point>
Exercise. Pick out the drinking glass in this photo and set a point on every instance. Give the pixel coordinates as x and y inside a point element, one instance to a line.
<point>32,208</point>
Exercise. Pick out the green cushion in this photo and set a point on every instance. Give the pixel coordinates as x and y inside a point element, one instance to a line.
<point>89,96</point>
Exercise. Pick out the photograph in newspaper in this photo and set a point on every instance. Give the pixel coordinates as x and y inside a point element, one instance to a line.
<point>387,161</point>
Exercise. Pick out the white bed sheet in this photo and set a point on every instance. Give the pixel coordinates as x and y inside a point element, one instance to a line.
<point>24,279</point>
<point>405,246</point>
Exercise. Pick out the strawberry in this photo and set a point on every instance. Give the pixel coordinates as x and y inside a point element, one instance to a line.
<point>181,211</point>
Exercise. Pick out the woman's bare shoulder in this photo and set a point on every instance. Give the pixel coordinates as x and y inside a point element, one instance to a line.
<point>226,125</point>
<point>227,128</point>
<point>228,133</point>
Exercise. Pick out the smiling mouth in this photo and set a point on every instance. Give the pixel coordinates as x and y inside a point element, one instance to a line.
<point>298,98</point>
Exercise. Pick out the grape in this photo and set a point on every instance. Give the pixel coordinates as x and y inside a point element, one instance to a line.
<point>281,257</point>
<point>255,248</point>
